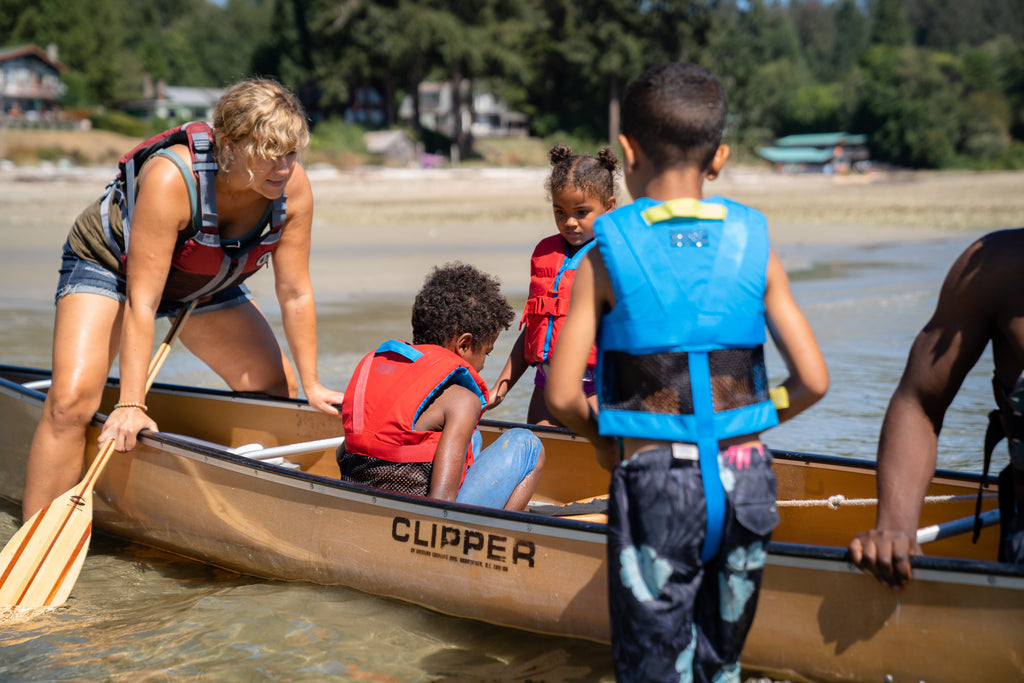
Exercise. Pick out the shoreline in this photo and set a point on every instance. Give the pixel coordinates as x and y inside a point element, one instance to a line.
<point>378,231</point>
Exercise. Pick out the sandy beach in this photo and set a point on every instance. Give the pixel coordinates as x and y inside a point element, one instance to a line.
<point>378,231</point>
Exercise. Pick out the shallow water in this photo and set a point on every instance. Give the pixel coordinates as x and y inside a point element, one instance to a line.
<point>137,614</point>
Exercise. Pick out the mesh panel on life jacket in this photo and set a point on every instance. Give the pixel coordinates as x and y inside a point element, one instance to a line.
<point>412,478</point>
<point>660,382</point>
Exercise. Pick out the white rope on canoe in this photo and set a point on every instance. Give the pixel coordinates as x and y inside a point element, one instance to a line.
<point>837,501</point>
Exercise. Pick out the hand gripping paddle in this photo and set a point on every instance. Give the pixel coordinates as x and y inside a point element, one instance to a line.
<point>40,564</point>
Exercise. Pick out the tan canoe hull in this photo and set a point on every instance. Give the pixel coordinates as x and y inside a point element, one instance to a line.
<point>818,618</point>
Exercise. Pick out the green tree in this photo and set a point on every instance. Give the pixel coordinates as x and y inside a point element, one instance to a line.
<point>911,106</point>
<point>607,51</point>
<point>889,23</point>
<point>1010,77</point>
<point>851,38</point>
<point>815,26</point>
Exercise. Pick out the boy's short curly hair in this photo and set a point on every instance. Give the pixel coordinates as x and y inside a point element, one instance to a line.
<point>456,298</point>
<point>676,113</point>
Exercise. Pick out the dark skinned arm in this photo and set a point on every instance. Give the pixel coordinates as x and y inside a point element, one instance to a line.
<point>939,360</point>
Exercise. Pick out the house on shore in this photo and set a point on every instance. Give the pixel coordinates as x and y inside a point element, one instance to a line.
<point>817,153</point>
<point>179,103</point>
<point>482,113</point>
<point>30,86</point>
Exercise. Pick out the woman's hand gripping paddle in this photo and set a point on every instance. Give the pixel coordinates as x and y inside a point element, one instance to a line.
<point>41,562</point>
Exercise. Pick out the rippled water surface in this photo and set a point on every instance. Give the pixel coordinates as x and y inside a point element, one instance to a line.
<point>137,614</point>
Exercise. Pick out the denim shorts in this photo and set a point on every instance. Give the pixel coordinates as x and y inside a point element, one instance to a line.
<point>78,275</point>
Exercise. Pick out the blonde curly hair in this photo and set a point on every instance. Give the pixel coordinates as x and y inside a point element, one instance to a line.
<point>262,117</point>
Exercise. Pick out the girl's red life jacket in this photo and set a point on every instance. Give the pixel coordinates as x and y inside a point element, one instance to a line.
<point>552,272</point>
<point>201,264</point>
<point>390,388</point>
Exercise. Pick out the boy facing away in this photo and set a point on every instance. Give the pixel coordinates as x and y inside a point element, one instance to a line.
<point>411,411</point>
<point>677,295</point>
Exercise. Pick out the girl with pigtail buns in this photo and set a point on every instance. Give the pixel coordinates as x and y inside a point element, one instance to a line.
<point>581,188</point>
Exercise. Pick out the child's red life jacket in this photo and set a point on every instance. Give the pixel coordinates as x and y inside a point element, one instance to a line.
<point>389,389</point>
<point>552,273</point>
<point>201,264</point>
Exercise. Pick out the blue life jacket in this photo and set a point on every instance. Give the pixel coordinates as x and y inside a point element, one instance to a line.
<point>681,356</point>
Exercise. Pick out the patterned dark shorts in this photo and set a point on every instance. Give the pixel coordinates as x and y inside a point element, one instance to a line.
<point>673,617</point>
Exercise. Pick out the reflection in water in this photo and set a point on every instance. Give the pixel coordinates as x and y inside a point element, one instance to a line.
<point>138,613</point>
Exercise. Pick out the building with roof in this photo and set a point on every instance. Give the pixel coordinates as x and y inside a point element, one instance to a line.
<point>30,85</point>
<point>484,115</point>
<point>816,152</point>
<point>173,102</point>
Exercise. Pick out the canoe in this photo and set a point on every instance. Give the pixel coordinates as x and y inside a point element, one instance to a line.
<point>250,484</point>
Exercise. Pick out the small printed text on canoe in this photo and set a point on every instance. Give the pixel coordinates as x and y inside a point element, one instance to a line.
<point>465,546</point>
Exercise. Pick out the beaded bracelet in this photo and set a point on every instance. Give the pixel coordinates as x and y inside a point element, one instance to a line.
<point>132,404</point>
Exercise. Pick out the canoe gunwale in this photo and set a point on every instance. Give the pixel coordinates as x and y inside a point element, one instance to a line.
<point>936,568</point>
<point>781,553</point>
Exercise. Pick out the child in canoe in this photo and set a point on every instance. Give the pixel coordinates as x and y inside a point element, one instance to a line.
<point>581,187</point>
<point>678,294</point>
<point>411,410</point>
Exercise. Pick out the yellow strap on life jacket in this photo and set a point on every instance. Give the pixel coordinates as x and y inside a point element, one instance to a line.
<point>684,208</point>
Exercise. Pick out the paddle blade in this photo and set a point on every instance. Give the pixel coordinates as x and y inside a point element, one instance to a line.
<point>41,562</point>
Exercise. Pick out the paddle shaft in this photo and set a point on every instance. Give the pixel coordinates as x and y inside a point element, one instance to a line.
<point>289,449</point>
<point>41,562</point>
<point>937,532</point>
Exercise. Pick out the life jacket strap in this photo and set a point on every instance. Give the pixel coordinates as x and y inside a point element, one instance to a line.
<point>707,447</point>
<point>545,305</point>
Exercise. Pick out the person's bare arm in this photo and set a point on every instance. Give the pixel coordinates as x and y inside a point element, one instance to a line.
<point>295,292</point>
<point>161,211</point>
<point>939,360</point>
<point>514,368</point>
<point>591,294</point>
<point>454,413</point>
<point>808,374</point>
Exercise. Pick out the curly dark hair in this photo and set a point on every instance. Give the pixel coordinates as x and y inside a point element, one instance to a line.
<point>676,114</point>
<point>594,176</point>
<point>457,298</point>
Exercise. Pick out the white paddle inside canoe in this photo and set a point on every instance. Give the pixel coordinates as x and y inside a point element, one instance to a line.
<point>937,532</point>
<point>40,564</point>
<point>256,451</point>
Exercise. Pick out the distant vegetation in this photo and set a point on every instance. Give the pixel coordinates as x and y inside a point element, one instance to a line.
<point>934,83</point>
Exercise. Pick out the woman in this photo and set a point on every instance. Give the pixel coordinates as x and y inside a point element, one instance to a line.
<point>200,223</point>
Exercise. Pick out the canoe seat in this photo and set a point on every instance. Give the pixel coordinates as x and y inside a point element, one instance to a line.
<point>588,509</point>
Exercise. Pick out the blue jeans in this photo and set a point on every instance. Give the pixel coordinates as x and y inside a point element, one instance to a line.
<point>499,469</point>
<point>78,275</point>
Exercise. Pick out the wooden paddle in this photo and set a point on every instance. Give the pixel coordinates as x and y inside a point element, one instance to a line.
<point>41,562</point>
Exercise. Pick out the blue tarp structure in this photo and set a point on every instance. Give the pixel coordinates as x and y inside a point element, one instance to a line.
<point>815,149</point>
<point>795,155</point>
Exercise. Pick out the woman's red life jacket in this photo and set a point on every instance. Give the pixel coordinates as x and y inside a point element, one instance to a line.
<point>552,273</point>
<point>201,264</point>
<point>390,388</point>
